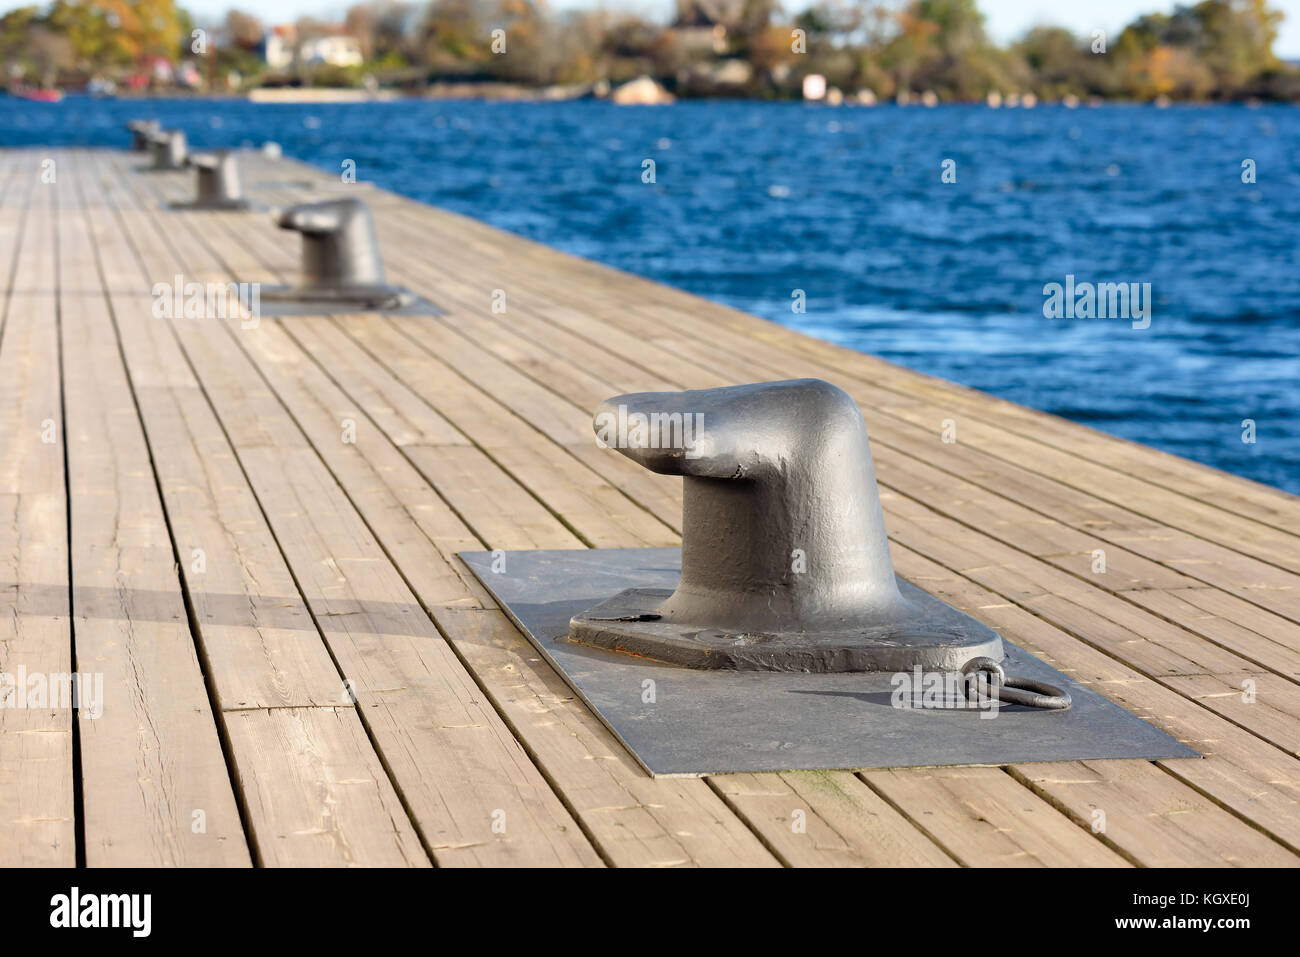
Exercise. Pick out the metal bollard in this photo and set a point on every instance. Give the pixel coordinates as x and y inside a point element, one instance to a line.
<point>785,560</point>
<point>142,131</point>
<point>169,150</point>
<point>340,256</point>
<point>218,182</point>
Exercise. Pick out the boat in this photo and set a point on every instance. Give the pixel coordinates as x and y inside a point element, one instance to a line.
<point>38,94</point>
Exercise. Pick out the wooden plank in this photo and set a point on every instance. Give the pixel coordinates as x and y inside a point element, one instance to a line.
<point>1155,820</point>
<point>155,786</point>
<point>261,647</point>
<point>984,817</point>
<point>637,821</point>
<point>828,819</point>
<point>36,744</point>
<point>599,498</point>
<point>634,819</point>
<point>1220,616</point>
<point>338,806</point>
<point>1265,705</point>
<point>473,792</point>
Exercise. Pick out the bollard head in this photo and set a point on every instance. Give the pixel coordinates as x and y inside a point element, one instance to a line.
<point>785,559</point>
<point>205,161</point>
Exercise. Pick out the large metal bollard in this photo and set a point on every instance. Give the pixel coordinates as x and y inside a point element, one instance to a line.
<point>785,561</point>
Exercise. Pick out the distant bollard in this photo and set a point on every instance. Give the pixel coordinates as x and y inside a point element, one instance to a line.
<point>169,150</point>
<point>142,133</point>
<point>341,266</point>
<point>218,182</point>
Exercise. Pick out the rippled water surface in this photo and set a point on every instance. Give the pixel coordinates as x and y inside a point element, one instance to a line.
<point>755,200</point>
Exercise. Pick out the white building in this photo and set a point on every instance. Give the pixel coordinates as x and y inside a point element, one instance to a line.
<point>279,48</point>
<point>332,51</point>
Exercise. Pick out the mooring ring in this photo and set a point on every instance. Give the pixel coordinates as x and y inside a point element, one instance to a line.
<point>1034,694</point>
<point>982,664</point>
<point>1014,690</point>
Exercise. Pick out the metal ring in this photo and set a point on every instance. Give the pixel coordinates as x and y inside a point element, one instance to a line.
<point>984,664</point>
<point>1013,690</point>
<point>1034,694</point>
<point>980,666</point>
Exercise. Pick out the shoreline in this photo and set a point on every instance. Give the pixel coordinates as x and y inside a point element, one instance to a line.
<point>513,93</point>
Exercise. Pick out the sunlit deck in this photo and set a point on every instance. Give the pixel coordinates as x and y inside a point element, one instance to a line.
<point>251,534</point>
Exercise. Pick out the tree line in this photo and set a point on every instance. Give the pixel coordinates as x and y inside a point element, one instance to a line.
<point>880,49</point>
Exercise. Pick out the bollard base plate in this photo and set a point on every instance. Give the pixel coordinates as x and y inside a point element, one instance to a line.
<point>298,301</point>
<point>687,722</point>
<point>216,206</point>
<point>937,637</point>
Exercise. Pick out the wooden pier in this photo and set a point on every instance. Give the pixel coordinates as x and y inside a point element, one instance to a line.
<point>251,534</point>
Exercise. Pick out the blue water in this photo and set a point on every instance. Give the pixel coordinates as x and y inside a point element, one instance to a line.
<point>754,200</point>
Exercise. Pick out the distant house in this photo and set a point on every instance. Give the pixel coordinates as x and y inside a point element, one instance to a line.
<point>707,13</point>
<point>701,26</point>
<point>279,46</point>
<point>336,50</point>
<point>281,49</point>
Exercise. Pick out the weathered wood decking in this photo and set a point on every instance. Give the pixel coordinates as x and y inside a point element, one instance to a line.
<point>184,512</point>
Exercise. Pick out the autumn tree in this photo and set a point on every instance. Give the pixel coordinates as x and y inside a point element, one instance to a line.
<point>244,30</point>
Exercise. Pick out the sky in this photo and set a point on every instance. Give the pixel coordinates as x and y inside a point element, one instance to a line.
<point>1006,19</point>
